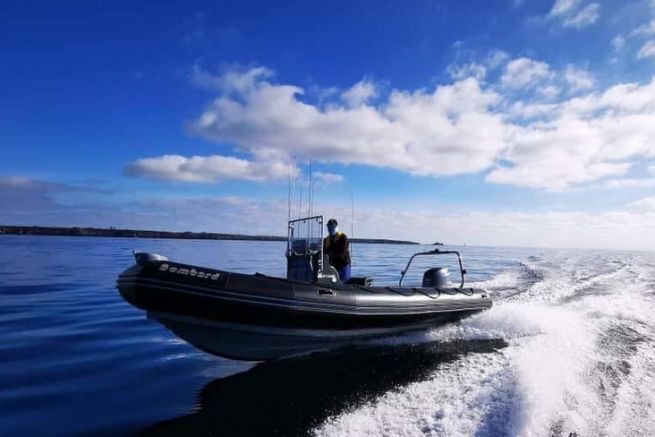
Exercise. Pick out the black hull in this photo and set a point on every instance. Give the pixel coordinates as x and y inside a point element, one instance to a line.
<point>256,317</point>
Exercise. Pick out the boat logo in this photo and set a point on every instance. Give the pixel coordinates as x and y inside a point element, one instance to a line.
<point>191,272</point>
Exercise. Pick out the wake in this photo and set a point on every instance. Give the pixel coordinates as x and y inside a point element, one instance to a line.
<point>580,358</point>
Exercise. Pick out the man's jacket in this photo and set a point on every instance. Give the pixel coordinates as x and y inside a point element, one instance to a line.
<point>336,248</point>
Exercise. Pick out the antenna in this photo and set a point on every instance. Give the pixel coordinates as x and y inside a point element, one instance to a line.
<point>289,194</point>
<point>309,194</point>
<point>311,185</point>
<point>352,219</point>
<point>295,179</point>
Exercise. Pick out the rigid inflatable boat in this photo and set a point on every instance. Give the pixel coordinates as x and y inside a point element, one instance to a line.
<point>256,317</point>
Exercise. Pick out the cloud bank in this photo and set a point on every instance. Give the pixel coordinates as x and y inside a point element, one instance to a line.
<point>536,127</point>
<point>34,203</point>
<point>208,169</point>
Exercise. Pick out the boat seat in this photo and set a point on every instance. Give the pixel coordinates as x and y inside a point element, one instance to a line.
<point>302,267</point>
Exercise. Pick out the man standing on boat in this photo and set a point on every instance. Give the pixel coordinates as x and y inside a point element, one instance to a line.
<point>336,247</point>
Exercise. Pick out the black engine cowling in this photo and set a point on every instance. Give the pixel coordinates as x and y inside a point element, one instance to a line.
<point>437,277</point>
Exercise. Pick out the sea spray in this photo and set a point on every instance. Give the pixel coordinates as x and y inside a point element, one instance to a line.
<point>580,358</point>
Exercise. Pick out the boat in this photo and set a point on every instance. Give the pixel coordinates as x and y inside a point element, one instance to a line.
<point>255,317</point>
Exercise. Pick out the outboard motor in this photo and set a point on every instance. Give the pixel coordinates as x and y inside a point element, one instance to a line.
<point>438,277</point>
<point>144,258</point>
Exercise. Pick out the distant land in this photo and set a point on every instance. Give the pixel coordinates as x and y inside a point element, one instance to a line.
<point>137,233</point>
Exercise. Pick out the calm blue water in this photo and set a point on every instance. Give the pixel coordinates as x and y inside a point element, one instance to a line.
<point>568,347</point>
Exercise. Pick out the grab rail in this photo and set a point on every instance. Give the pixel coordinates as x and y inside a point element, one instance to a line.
<point>462,270</point>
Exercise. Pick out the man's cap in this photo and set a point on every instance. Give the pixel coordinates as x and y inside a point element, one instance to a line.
<point>332,222</point>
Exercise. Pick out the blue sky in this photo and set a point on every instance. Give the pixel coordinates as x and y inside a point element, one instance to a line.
<point>507,122</point>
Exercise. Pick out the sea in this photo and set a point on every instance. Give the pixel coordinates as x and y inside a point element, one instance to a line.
<point>568,349</point>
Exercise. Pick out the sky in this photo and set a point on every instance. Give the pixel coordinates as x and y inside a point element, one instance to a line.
<point>508,122</point>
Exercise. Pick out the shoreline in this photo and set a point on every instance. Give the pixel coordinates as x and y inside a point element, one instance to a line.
<point>140,233</point>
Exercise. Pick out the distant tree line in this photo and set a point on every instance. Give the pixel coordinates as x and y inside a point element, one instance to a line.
<point>137,233</point>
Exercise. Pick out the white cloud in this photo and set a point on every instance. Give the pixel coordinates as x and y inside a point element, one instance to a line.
<point>478,69</point>
<point>651,169</point>
<point>524,73</point>
<point>233,79</point>
<point>18,182</point>
<point>584,17</point>
<point>549,91</point>
<point>554,173</point>
<point>578,79</point>
<point>562,7</point>
<point>327,178</point>
<point>360,93</point>
<point>496,59</point>
<point>645,204</point>
<point>620,99</point>
<point>647,50</point>
<point>445,131</point>
<point>512,228</point>
<point>522,110</point>
<point>618,42</point>
<point>462,127</point>
<point>630,183</point>
<point>475,70</point>
<point>645,29</point>
<point>207,169</point>
<point>268,217</point>
<point>584,139</point>
<point>572,13</point>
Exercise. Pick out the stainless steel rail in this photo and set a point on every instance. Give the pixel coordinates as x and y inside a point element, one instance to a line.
<point>462,270</point>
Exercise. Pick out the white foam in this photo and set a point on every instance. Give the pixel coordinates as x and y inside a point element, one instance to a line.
<point>521,389</point>
<point>501,281</point>
<point>557,376</point>
<point>634,411</point>
<point>451,403</point>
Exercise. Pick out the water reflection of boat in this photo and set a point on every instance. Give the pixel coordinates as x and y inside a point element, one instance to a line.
<point>258,317</point>
<point>293,396</point>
